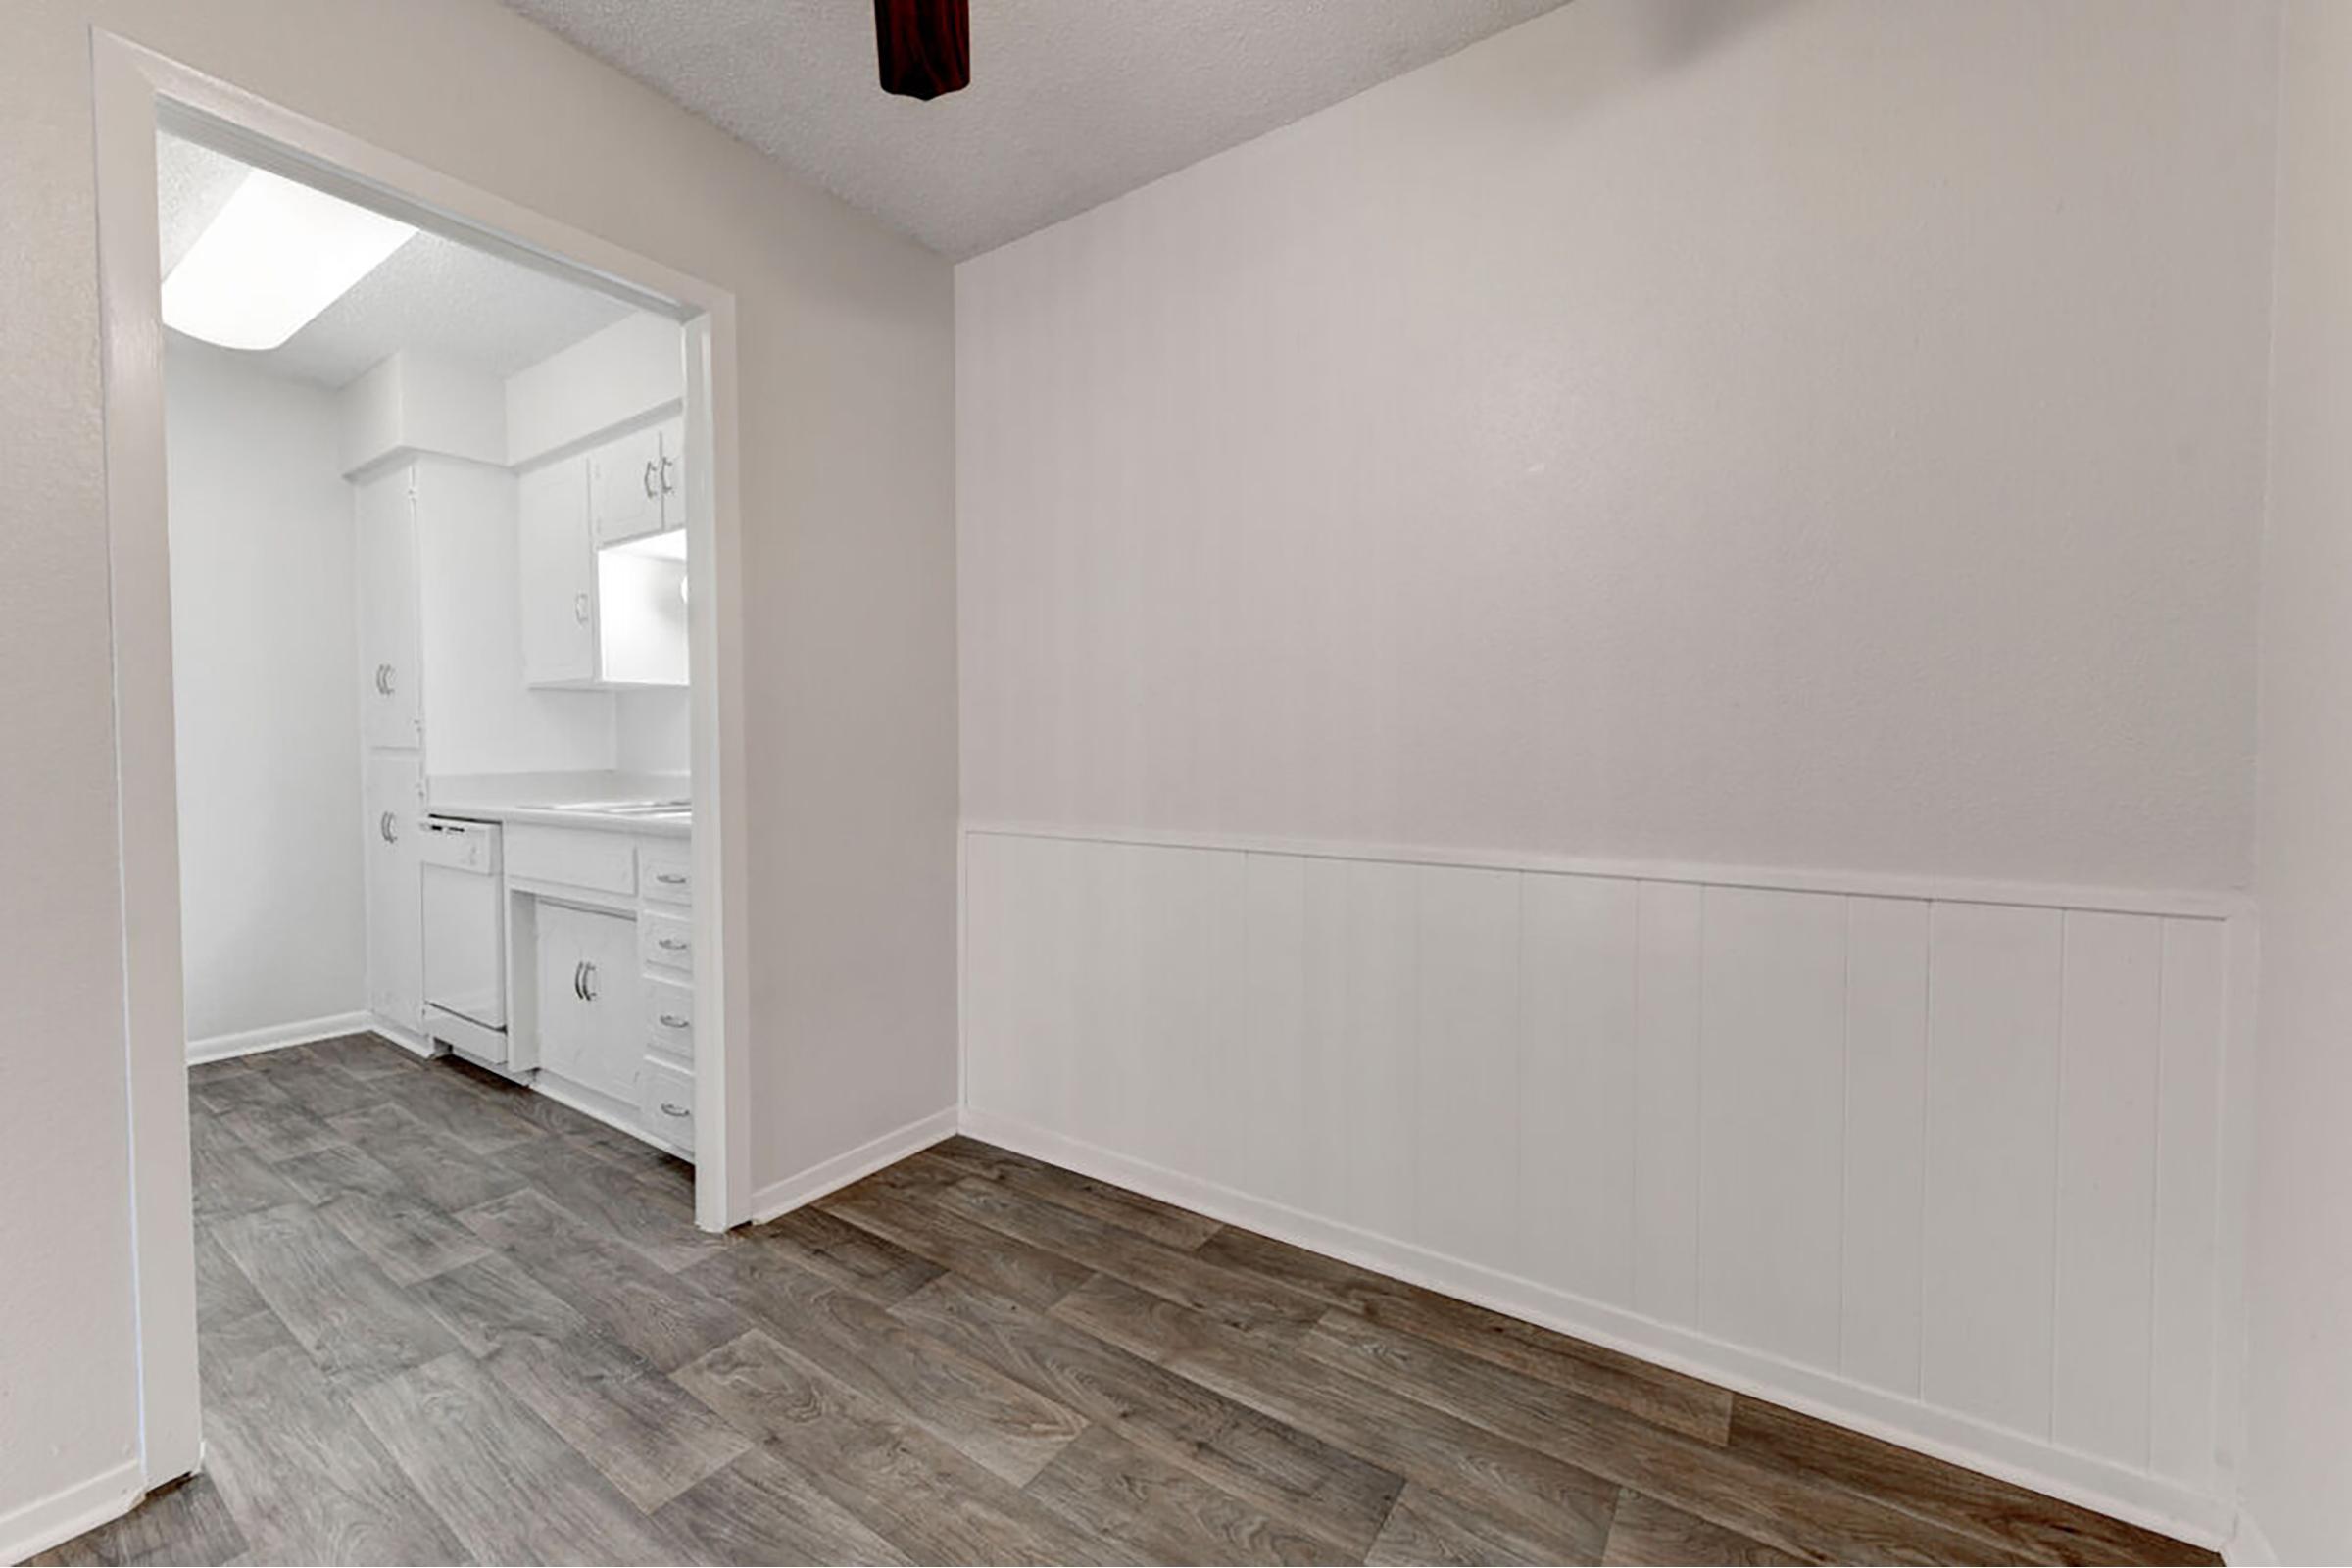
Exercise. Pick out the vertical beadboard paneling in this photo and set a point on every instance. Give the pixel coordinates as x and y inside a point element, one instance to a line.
<point>1330,1051</point>
<point>1885,1106</point>
<point>1666,1150</point>
<point>1579,955</point>
<point>2189,1178</point>
<point>1952,1157</point>
<point>1176,924</point>
<point>1380,1089</point>
<point>1772,1121</point>
<point>992,935</point>
<point>1109,1072</point>
<point>1990,1212</point>
<point>1271,1111</point>
<point>2106,1182</point>
<point>1467,1114</point>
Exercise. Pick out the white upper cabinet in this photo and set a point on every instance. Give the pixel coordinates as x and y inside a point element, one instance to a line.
<point>637,483</point>
<point>559,576</point>
<point>602,597</point>
<point>389,636</point>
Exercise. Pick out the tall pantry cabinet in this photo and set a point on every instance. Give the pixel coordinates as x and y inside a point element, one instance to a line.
<point>392,731</point>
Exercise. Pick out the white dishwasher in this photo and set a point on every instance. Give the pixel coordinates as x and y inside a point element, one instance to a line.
<point>464,938</point>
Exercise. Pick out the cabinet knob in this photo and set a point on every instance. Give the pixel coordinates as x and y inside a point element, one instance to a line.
<point>579,607</point>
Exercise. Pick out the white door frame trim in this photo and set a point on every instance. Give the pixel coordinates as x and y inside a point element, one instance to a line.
<point>134,90</point>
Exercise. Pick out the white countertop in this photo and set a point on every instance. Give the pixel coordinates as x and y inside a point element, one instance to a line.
<point>565,800</point>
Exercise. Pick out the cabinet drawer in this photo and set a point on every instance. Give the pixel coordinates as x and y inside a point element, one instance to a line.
<point>665,1102</point>
<point>669,1018</point>
<point>579,858</point>
<point>667,942</point>
<point>666,873</point>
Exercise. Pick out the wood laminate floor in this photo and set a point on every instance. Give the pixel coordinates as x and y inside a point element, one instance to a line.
<point>444,1319</point>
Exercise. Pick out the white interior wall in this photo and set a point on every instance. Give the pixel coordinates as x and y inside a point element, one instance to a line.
<point>1812,435</point>
<point>273,928</point>
<point>1543,588</point>
<point>479,716</point>
<point>846,412</point>
<point>2299,1480</point>
<point>651,731</point>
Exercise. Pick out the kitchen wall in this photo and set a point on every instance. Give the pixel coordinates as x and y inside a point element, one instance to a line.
<point>262,605</point>
<point>1817,435</point>
<point>846,405</point>
<point>653,732</point>
<point>2300,1483</point>
<point>1497,619</point>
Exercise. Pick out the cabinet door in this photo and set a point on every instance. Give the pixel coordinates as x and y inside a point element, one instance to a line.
<point>673,471</point>
<point>624,487</point>
<point>389,637</point>
<point>558,575</point>
<point>395,890</point>
<point>589,1026</point>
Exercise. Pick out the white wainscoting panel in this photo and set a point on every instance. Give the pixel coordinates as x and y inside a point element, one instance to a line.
<point>1941,1161</point>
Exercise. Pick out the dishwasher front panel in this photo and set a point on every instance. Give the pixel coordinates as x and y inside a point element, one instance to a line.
<point>465,922</point>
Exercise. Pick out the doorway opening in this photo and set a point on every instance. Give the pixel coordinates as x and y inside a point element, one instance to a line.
<point>422,525</point>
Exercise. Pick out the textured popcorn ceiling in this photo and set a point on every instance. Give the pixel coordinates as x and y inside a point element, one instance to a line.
<point>434,295</point>
<point>1072,102</point>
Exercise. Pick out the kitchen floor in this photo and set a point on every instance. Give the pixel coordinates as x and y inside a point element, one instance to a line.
<point>444,1319</point>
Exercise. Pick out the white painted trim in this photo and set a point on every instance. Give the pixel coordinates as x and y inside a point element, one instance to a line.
<point>34,1527</point>
<point>134,92</point>
<point>2186,903</point>
<point>2013,1456</point>
<point>277,1037</point>
<point>2247,1545</point>
<point>782,1197</point>
<point>408,1040</point>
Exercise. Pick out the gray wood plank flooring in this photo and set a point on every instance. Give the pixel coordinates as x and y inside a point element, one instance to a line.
<point>443,1320</point>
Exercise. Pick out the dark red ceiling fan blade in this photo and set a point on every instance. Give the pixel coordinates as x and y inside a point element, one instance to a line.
<point>925,46</point>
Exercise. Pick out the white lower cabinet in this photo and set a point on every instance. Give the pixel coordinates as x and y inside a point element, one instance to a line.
<point>613,1020</point>
<point>591,1009</point>
<point>665,1102</point>
<point>393,869</point>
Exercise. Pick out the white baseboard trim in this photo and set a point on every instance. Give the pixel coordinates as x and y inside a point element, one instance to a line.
<point>408,1040</point>
<point>2248,1548</point>
<point>279,1036</point>
<point>32,1528</point>
<point>2014,1456</point>
<point>782,1197</point>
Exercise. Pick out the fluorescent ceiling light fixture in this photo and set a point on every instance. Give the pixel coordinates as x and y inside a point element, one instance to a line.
<point>277,255</point>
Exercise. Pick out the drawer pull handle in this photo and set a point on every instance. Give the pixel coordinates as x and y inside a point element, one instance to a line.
<point>579,982</point>
<point>588,981</point>
<point>670,1021</point>
<point>651,469</point>
<point>384,825</point>
<point>676,879</point>
<point>668,1109</point>
<point>383,679</point>
<point>671,944</point>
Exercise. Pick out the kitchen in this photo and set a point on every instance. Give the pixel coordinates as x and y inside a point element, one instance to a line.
<point>429,525</point>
